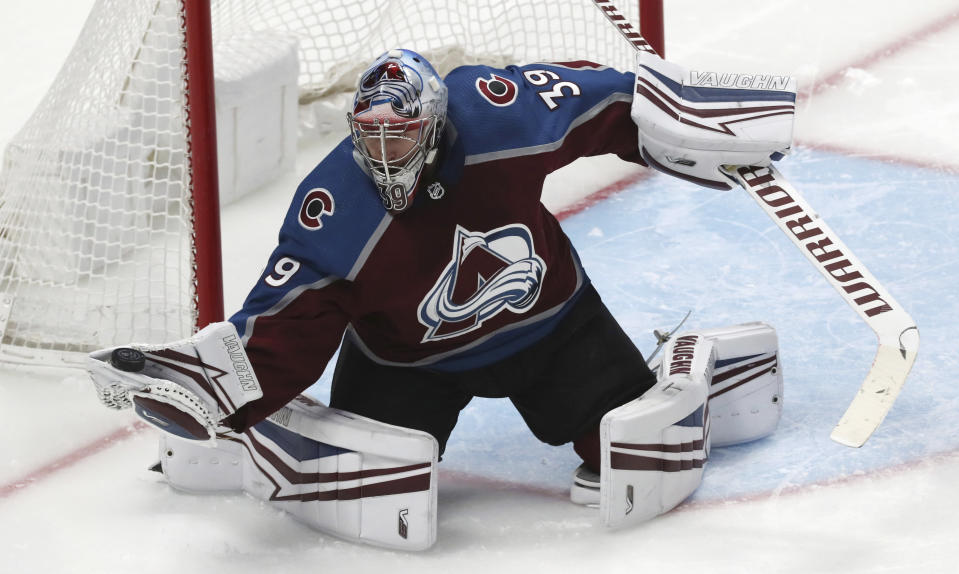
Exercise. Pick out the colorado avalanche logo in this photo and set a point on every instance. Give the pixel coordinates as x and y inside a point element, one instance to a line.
<point>317,203</point>
<point>391,81</point>
<point>497,90</point>
<point>490,273</point>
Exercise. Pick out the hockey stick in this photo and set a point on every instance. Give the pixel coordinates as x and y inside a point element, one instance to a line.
<point>897,332</point>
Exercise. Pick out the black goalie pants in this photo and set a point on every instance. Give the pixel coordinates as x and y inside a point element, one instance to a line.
<point>562,385</point>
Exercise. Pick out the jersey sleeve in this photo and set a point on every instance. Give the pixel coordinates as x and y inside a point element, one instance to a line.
<point>290,325</point>
<point>294,317</point>
<point>559,111</point>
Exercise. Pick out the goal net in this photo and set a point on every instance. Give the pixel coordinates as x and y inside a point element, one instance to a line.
<point>99,225</point>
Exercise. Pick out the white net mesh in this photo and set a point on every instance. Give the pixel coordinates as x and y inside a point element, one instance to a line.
<point>95,209</point>
<point>94,213</point>
<point>337,39</point>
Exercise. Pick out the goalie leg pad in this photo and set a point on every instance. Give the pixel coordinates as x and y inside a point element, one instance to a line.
<point>654,448</point>
<point>746,392</point>
<point>197,468</point>
<point>337,472</point>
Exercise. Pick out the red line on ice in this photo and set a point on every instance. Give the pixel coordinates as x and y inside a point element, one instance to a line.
<point>885,158</point>
<point>70,459</point>
<point>887,51</point>
<point>603,194</point>
<point>466,478</point>
<point>928,461</point>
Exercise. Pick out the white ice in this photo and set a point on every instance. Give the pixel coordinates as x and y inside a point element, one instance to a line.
<point>876,155</point>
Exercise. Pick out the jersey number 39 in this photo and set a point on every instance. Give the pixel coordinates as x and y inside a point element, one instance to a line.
<point>549,97</point>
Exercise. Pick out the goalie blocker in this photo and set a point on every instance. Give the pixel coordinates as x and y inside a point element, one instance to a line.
<point>692,123</point>
<point>717,387</point>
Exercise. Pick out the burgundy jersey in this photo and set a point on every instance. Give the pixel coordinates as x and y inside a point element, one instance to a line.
<point>476,269</point>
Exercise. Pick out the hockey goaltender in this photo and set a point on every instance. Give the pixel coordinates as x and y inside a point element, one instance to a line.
<point>420,250</point>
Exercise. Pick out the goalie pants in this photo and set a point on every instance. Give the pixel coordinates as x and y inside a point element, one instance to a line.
<point>562,385</point>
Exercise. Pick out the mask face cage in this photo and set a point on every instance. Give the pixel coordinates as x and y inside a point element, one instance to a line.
<point>396,122</point>
<point>395,151</point>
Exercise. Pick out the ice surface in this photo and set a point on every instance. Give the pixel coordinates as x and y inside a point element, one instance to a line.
<point>876,157</point>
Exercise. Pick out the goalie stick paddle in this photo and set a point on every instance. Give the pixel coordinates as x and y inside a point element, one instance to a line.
<point>897,332</point>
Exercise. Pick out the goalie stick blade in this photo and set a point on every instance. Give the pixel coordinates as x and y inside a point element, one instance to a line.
<point>878,392</point>
<point>897,332</point>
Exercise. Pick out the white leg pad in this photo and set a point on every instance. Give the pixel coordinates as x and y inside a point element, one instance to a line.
<point>195,467</point>
<point>745,396</point>
<point>654,449</point>
<point>337,472</point>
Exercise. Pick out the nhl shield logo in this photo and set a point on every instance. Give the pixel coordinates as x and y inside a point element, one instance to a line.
<point>490,273</point>
<point>435,190</point>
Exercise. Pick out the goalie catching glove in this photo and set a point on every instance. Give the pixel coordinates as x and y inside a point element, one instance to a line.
<point>183,388</point>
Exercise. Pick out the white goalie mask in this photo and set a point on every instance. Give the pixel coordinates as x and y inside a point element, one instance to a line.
<point>396,123</point>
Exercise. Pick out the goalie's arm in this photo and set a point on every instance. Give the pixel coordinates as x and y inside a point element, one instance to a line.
<point>231,374</point>
<point>290,325</point>
<point>585,108</point>
<point>558,112</point>
<point>289,350</point>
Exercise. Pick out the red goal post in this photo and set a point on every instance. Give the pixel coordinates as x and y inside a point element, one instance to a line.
<point>109,209</point>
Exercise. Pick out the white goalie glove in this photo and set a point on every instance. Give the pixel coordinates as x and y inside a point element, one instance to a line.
<point>183,388</point>
<point>693,123</point>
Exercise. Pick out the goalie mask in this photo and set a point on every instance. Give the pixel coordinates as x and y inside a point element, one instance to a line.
<point>396,123</point>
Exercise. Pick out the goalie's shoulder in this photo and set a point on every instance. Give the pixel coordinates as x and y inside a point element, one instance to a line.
<point>333,213</point>
<point>531,107</point>
<point>519,89</point>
